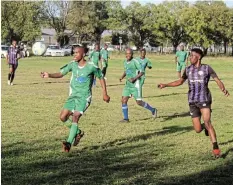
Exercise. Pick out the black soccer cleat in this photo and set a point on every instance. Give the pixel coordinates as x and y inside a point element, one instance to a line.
<point>66,146</point>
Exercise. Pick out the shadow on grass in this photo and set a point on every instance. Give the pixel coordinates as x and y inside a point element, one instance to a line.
<point>109,163</point>
<point>227,142</point>
<point>166,130</point>
<point>176,115</point>
<point>163,95</point>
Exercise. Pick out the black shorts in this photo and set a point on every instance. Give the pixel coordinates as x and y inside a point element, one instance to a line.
<point>195,108</point>
<point>14,66</point>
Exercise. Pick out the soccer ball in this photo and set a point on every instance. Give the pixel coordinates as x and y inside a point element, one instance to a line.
<point>38,48</point>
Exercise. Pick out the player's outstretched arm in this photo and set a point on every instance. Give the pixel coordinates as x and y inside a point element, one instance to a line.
<point>123,76</point>
<point>105,94</point>
<point>221,86</point>
<point>132,80</point>
<point>53,75</point>
<point>172,84</point>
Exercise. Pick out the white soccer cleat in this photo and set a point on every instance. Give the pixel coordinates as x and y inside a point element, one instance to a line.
<point>8,82</point>
<point>11,84</point>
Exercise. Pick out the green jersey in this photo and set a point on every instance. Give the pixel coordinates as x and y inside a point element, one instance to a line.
<point>132,69</point>
<point>144,63</point>
<point>182,56</point>
<point>95,57</point>
<point>104,54</point>
<point>82,77</point>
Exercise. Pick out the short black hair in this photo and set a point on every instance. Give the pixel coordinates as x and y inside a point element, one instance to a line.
<point>84,48</point>
<point>199,51</point>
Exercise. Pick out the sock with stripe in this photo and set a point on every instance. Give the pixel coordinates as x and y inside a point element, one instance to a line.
<point>147,106</point>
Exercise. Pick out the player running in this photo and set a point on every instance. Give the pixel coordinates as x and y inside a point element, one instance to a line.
<point>133,71</point>
<point>95,58</point>
<point>83,73</point>
<point>104,58</point>
<point>181,60</point>
<point>145,63</point>
<point>199,96</point>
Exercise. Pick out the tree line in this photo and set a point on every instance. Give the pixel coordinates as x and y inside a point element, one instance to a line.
<point>203,23</point>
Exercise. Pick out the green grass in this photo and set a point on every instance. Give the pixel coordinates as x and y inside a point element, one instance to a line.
<point>164,151</point>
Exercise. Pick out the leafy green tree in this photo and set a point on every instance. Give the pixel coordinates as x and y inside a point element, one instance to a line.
<point>20,20</point>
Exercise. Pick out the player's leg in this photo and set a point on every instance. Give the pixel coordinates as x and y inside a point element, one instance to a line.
<point>206,115</point>
<point>13,73</point>
<point>11,70</point>
<point>196,117</point>
<point>124,101</point>
<point>94,82</point>
<point>137,94</point>
<point>104,68</point>
<point>178,69</point>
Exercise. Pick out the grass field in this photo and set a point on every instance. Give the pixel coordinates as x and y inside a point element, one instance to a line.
<point>165,151</point>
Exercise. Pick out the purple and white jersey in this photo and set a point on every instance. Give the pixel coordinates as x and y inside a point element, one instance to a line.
<point>12,54</point>
<point>198,79</point>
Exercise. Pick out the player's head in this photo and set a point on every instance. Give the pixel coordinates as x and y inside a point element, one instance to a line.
<point>196,55</point>
<point>129,54</point>
<point>80,52</point>
<point>105,46</point>
<point>182,48</point>
<point>143,52</point>
<point>97,47</point>
<point>14,42</point>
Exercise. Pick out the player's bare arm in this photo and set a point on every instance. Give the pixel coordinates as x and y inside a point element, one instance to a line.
<point>132,80</point>
<point>221,86</point>
<point>53,75</point>
<point>106,98</point>
<point>172,84</point>
<point>123,76</point>
<point>175,59</point>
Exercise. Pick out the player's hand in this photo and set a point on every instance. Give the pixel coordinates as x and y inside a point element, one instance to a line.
<point>226,93</point>
<point>132,80</point>
<point>44,75</point>
<point>161,86</point>
<point>106,98</point>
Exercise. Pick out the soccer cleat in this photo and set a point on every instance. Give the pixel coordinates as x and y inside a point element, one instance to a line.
<point>217,153</point>
<point>124,121</point>
<point>8,82</point>
<point>12,84</point>
<point>154,113</point>
<point>66,146</point>
<point>77,138</point>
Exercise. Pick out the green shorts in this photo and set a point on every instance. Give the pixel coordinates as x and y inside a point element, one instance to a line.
<point>79,104</point>
<point>180,66</point>
<point>135,91</point>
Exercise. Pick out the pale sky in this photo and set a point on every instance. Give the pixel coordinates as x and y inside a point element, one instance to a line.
<point>229,3</point>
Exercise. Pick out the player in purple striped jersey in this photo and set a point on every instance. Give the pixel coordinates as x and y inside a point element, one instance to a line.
<point>12,57</point>
<point>199,96</point>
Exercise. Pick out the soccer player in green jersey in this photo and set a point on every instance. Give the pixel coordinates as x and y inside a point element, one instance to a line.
<point>181,59</point>
<point>83,73</point>
<point>145,63</point>
<point>133,71</point>
<point>95,58</point>
<point>104,58</point>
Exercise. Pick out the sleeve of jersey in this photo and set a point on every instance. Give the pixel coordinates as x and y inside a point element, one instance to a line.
<point>177,54</point>
<point>184,76</point>
<point>212,72</point>
<point>98,73</point>
<point>66,69</point>
<point>149,64</point>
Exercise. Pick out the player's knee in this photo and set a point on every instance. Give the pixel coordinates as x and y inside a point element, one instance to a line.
<point>139,102</point>
<point>63,118</point>
<point>76,116</point>
<point>123,101</point>
<point>198,130</point>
